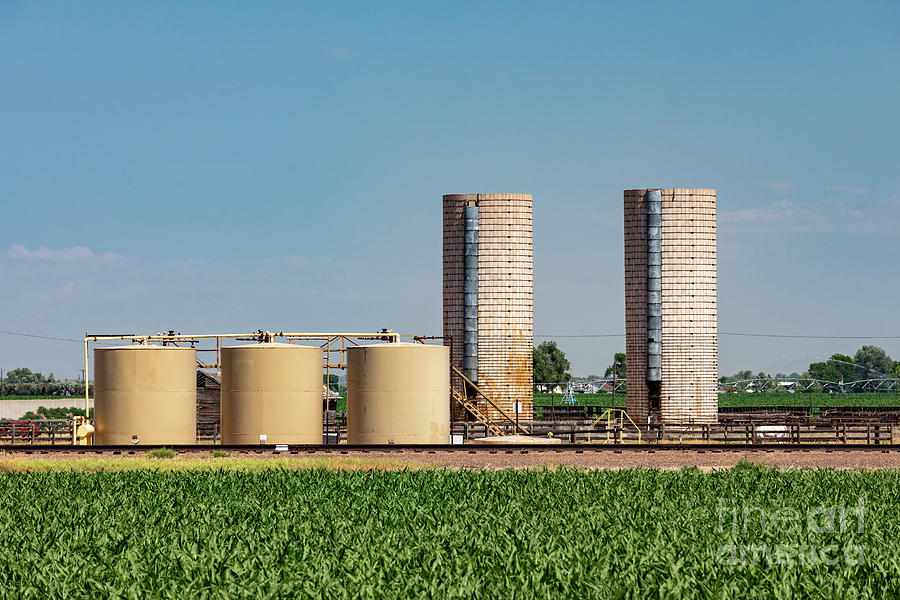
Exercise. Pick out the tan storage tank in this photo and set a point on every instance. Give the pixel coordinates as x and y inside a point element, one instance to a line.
<point>273,390</point>
<point>398,393</point>
<point>145,394</point>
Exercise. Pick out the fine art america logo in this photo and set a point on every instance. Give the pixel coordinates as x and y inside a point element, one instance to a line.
<point>749,529</point>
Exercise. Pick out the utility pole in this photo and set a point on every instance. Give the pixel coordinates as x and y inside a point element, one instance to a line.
<point>615,368</point>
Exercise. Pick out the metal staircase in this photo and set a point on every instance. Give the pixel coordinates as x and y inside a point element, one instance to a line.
<point>472,407</point>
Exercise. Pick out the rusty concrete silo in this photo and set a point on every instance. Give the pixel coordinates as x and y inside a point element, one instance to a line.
<point>397,393</point>
<point>671,320</point>
<point>272,390</point>
<point>145,395</point>
<point>488,296</point>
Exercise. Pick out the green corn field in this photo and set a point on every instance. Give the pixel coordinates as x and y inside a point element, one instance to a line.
<point>451,534</point>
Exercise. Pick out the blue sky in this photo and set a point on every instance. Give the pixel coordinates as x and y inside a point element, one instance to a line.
<point>236,166</point>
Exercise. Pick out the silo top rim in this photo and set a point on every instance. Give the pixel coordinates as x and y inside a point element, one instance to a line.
<point>489,196</point>
<point>696,191</point>
<point>143,347</point>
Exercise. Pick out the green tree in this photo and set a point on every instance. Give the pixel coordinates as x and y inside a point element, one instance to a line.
<point>895,370</point>
<point>617,366</point>
<point>25,382</point>
<point>332,381</point>
<point>843,364</point>
<point>824,371</point>
<point>23,376</point>
<point>550,364</point>
<point>839,368</point>
<point>873,362</point>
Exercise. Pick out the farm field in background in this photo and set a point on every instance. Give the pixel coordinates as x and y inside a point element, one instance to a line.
<point>448,534</point>
<point>745,399</point>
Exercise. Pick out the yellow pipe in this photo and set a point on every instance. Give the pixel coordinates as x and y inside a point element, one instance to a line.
<point>86,385</point>
<point>182,337</point>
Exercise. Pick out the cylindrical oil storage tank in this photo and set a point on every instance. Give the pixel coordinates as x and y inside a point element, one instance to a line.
<point>398,393</point>
<point>145,395</point>
<point>271,390</point>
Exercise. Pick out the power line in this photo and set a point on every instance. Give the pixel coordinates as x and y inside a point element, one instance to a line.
<point>742,334</point>
<point>40,337</point>
<point>814,337</point>
<point>583,335</point>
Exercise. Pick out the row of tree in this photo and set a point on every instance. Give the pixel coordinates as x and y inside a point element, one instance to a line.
<point>25,382</point>
<point>55,413</point>
<point>869,362</point>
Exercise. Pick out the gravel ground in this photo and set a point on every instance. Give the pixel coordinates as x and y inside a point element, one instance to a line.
<point>662,459</point>
<point>605,459</point>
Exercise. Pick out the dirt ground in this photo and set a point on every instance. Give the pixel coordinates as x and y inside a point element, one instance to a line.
<point>536,458</point>
<point>664,459</point>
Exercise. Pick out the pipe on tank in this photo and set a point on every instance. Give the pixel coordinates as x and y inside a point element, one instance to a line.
<point>653,201</point>
<point>470,291</point>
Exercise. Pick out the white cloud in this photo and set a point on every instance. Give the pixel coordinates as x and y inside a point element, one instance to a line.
<point>67,292</point>
<point>855,190</point>
<point>133,290</point>
<point>781,186</point>
<point>75,254</point>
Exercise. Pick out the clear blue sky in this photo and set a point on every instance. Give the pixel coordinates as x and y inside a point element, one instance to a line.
<point>235,166</point>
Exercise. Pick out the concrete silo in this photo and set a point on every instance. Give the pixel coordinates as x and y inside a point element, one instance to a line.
<point>488,296</point>
<point>671,320</point>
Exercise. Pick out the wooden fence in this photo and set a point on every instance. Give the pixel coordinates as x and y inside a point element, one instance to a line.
<point>39,431</point>
<point>59,431</point>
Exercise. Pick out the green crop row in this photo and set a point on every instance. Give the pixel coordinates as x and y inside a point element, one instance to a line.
<point>451,534</point>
